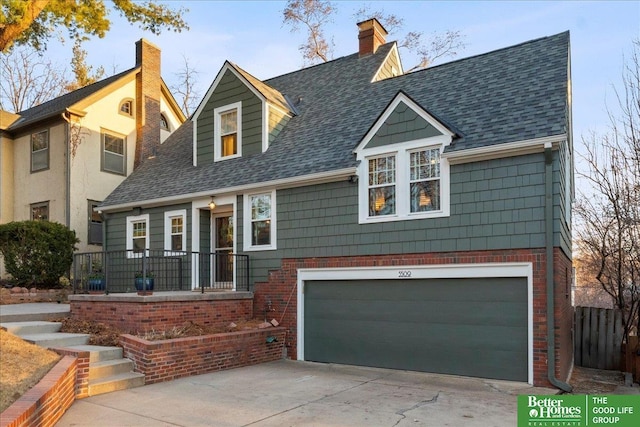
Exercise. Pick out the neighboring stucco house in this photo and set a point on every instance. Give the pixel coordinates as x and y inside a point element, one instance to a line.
<point>416,221</point>
<point>62,158</point>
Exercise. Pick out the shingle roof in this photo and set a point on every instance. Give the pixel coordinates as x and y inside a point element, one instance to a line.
<point>270,94</point>
<point>58,105</point>
<point>512,94</point>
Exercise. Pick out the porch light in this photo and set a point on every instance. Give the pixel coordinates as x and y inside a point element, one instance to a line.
<point>212,204</point>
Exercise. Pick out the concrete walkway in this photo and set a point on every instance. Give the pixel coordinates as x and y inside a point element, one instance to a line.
<point>290,393</point>
<point>32,311</point>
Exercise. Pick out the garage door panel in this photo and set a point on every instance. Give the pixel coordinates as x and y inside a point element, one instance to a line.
<point>474,327</point>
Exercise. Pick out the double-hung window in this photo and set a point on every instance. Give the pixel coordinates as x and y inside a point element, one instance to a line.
<point>40,151</point>
<point>260,221</point>
<point>411,182</point>
<point>175,231</point>
<point>137,235</point>
<point>114,153</point>
<point>228,131</point>
<point>94,236</point>
<point>382,185</point>
<point>424,180</point>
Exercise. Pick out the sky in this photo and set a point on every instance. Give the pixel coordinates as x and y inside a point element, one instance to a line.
<point>252,35</point>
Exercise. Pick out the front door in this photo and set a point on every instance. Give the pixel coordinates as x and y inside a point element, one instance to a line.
<point>223,249</point>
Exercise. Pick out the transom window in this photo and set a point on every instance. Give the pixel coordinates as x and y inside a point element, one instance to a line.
<point>228,143</point>
<point>382,186</point>
<point>40,151</point>
<point>260,221</point>
<point>114,153</point>
<point>40,211</point>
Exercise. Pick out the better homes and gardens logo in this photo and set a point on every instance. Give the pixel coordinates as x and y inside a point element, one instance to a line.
<point>578,411</point>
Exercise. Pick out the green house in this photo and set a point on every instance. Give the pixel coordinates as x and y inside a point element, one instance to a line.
<point>416,220</point>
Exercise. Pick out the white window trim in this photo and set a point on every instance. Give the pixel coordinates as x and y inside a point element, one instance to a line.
<point>246,223</point>
<point>403,206</point>
<point>167,232</point>
<point>130,221</point>
<point>217,148</point>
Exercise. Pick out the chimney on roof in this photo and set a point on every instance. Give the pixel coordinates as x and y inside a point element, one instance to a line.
<point>148,87</point>
<point>371,36</point>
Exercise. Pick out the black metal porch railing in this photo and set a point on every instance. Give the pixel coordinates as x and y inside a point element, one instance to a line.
<point>159,270</point>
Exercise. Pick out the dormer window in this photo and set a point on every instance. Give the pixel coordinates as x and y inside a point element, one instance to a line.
<point>228,131</point>
<point>126,107</point>
<point>164,124</point>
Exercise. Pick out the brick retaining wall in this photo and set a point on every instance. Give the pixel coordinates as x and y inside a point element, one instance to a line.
<point>137,314</point>
<point>167,360</point>
<point>47,401</point>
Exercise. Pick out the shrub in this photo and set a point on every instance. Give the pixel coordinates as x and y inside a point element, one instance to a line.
<point>37,253</point>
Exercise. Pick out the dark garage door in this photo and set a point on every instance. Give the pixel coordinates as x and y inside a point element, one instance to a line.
<point>471,327</point>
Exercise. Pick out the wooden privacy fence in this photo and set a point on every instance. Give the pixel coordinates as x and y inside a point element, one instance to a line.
<point>598,338</point>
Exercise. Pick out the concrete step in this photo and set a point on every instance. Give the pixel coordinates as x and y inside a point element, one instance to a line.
<point>33,311</point>
<point>109,368</point>
<point>115,382</point>
<point>56,339</point>
<point>33,327</point>
<point>99,353</point>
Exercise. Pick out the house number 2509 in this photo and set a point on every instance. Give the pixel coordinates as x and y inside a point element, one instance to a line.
<point>404,273</point>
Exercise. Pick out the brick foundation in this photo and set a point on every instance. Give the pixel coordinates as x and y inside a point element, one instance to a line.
<point>281,290</point>
<point>137,314</point>
<point>167,360</point>
<point>47,401</point>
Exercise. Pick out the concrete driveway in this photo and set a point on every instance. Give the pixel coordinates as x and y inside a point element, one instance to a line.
<point>290,393</point>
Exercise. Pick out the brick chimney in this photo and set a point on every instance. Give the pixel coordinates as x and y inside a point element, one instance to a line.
<point>371,36</point>
<point>148,86</point>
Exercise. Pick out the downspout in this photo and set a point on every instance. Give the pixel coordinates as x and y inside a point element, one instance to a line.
<point>68,171</point>
<point>548,219</point>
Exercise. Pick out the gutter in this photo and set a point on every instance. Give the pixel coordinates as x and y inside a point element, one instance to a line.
<point>68,171</point>
<point>548,219</point>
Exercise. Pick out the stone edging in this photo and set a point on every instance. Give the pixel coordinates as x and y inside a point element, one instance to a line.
<point>47,401</point>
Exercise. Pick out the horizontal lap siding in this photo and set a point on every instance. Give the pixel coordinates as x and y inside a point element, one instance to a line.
<point>495,204</point>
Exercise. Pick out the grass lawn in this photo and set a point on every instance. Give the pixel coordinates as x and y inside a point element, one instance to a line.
<point>23,365</point>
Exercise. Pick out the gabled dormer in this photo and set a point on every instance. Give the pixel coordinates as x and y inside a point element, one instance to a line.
<point>402,174</point>
<point>239,116</point>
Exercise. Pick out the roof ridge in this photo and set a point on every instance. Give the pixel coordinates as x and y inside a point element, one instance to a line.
<point>75,91</point>
<point>491,52</point>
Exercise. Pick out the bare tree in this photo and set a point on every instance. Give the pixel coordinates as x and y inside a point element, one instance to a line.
<point>28,79</point>
<point>185,87</point>
<point>313,15</point>
<point>608,229</point>
<point>428,49</point>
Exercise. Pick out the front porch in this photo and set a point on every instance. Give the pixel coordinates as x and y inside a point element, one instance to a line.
<point>159,271</point>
